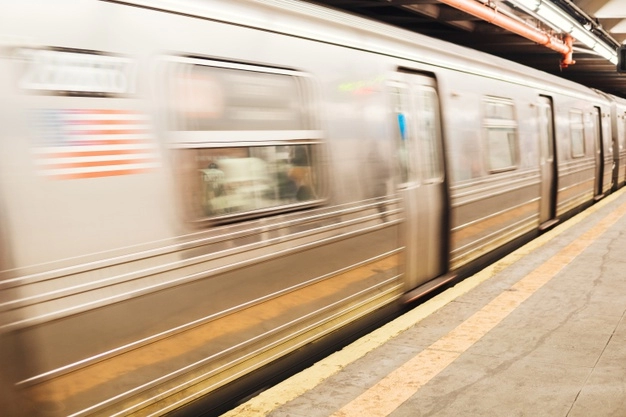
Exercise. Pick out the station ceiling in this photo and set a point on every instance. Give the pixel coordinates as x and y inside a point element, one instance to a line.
<point>605,19</point>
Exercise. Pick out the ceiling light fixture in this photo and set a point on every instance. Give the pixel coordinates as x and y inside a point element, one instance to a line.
<point>560,21</point>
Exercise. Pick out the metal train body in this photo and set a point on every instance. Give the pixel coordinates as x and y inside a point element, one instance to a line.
<point>190,190</point>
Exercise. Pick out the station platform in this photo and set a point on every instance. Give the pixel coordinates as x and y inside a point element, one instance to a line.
<point>539,333</point>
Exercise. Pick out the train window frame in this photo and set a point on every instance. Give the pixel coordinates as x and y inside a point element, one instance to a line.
<point>493,128</point>
<point>232,159</point>
<point>577,127</point>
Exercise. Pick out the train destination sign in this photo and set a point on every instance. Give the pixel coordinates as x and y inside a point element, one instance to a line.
<point>76,72</point>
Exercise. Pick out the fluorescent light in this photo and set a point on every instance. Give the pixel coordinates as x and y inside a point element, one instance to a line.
<point>531,5</point>
<point>560,21</point>
<point>604,52</point>
<point>584,37</point>
<point>554,18</point>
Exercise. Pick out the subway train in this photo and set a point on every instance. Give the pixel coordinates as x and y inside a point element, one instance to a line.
<point>193,190</point>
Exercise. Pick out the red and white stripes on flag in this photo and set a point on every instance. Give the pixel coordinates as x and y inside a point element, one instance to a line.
<point>90,143</point>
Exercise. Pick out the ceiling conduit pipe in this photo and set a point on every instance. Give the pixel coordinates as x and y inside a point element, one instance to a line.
<point>567,58</point>
<point>492,16</point>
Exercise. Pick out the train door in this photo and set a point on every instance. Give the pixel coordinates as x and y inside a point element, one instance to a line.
<point>547,165</point>
<point>599,152</point>
<point>422,186</point>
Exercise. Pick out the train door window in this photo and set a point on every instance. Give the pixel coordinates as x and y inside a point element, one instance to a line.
<point>604,132</point>
<point>403,115</point>
<point>246,139</point>
<point>577,133</point>
<point>417,115</point>
<point>429,134</point>
<point>501,134</point>
<point>622,144</point>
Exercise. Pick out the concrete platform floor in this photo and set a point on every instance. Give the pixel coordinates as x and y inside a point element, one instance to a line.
<point>539,333</point>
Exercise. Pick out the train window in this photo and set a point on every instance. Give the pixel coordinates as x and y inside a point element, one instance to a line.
<point>428,105</point>
<point>400,98</point>
<point>227,99</point>
<point>501,134</point>
<point>577,133</point>
<point>237,180</point>
<point>622,145</point>
<point>417,117</point>
<point>245,139</point>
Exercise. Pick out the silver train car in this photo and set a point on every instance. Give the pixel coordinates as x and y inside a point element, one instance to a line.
<point>193,189</point>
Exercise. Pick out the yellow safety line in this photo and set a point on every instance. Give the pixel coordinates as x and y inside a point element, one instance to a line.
<point>397,387</point>
<point>297,385</point>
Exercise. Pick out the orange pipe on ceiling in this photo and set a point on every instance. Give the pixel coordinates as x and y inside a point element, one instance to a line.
<point>492,16</point>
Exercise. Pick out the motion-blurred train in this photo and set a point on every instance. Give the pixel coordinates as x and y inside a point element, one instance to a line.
<point>191,190</point>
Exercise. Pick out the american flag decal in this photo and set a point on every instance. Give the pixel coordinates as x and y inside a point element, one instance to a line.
<point>91,143</point>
